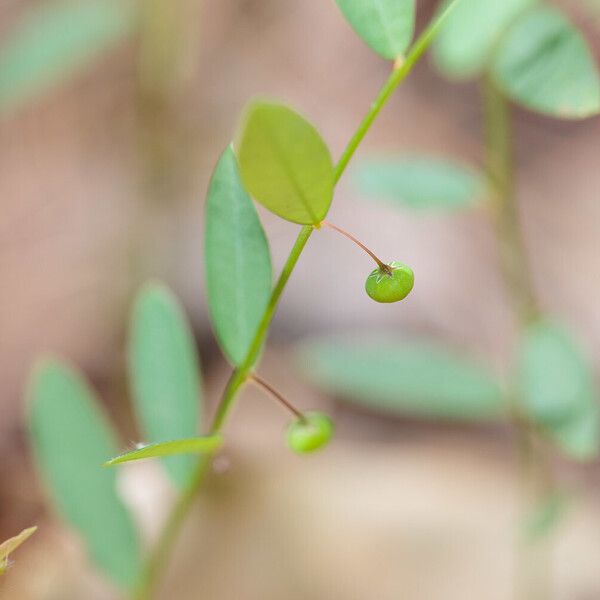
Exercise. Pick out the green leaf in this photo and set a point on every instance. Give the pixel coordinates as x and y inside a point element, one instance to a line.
<point>544,63</point>
<point>420,183</point>
<point>386,26</point>
<point>71,439</point>
<point>237,259</point>
<point>419,378</point>
<point>164,373</point>
<point>464,44</point>
<point>284,163</point>
<point>198,445</point>
<point>54,41</point>
<point>557,389</point>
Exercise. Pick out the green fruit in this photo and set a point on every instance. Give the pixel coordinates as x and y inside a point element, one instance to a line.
<point>386,287</point>
<point>309,433</point>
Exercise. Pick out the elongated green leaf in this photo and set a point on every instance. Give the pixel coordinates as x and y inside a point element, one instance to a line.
<point>237,259</point>
<point>417,378</point>
<point>557,389</point>
<point>386,26</point>
<point>54,41</point>
<point>464,45</point>
<point>284,163</point>
<point>10,545</point>
<point>164,374</point>
<point>545,64</point>
<point>71,439</point>
<point>198,445</point>
<point>420,183</point>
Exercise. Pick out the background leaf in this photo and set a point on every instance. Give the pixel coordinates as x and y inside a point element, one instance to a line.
<point>284,163</point>
<point>164,374</point>
<point>545,64</point>
<point>71,440</point>
<point>416,377</point>
<point>237,258</point>
<point>198,445</point>
<point>464,44</point>
<point>386,26</point>
<point>557,388</point>
<point>419,182</point>
<point>54,41</point>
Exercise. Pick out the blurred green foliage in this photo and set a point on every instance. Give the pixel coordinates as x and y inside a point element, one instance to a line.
<point>419,182</point>
<point>55,40</point>
<point>409,377</point>
<point>164,374</point>
<point>71,439</point>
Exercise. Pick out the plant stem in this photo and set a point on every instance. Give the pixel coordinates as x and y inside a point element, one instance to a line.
<point>160,553</point>
<point>536,480</point>
<point>401,69</point>
<point>277,395</point>
<point>379,262</point>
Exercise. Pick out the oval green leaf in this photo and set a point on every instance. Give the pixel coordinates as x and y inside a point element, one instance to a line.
<point>544,63</point>
<point>285,164</point>
<point>54,41</point>
<point>198,445</point>
<point>465,42</point>
<point>71,439</point>
<point>386,26</point>
<point>557,389</point>
<point>420,183</point>
<point>420,378</point>
<point>237,261</point>
<point>164,374</point>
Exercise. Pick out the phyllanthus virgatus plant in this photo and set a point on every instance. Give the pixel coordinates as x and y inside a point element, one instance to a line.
<point>279,159</point>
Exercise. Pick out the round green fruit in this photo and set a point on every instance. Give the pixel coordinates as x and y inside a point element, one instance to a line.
<point>309,433</point>
<point>386,287</point>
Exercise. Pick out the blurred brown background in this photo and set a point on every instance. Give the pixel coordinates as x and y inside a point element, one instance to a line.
<point>102,184</point>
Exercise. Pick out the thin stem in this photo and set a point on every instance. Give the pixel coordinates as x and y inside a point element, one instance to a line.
<point>535,474</point>
<point>277,395</point>
<point>155,563</point>
<point>500,172</point>
<point>401,69</point>
<point>242,372</point>
<point>379,262</point>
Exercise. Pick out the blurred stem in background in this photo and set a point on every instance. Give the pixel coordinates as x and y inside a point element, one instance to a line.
<point>533,570</point>
<point>159,555</point>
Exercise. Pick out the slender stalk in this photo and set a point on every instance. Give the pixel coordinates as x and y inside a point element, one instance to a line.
<point>261,383</point>
<point>401,69</point>
<point>160,553</point>
<point>242,372</point>
<point>379,262</point>
<point>533,582</point>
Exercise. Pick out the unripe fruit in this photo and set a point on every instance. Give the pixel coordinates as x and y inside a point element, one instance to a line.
<point>309,433</point>
<point>383,287</point>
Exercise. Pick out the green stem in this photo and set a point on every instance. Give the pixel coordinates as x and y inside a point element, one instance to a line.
<point>401,69</point>
<point>533,582</point>
<point>513,258</point>
<point>241,373</point>
<point>159,555</point>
